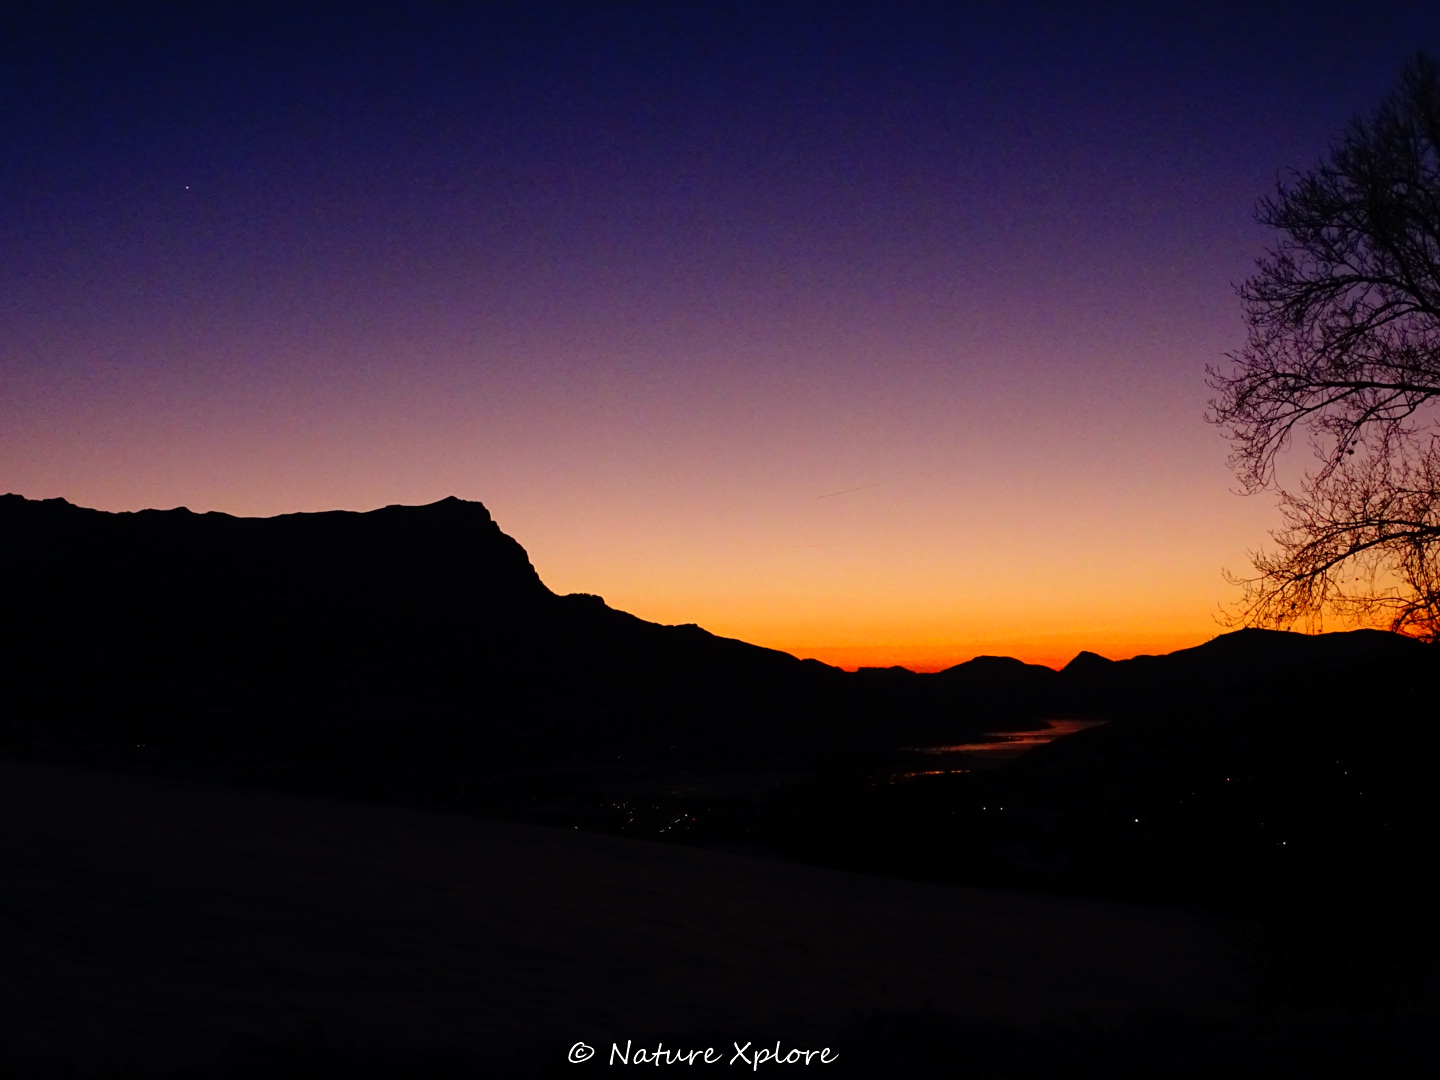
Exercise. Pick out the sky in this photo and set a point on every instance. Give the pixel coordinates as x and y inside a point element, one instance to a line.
<point>874,333</point>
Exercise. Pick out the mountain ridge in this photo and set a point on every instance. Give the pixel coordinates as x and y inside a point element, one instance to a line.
<point>413,648</point>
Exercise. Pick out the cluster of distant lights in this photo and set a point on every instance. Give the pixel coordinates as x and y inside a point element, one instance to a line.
<point>677,823</point>
<point>1135,821</point>
<point>629,811</point>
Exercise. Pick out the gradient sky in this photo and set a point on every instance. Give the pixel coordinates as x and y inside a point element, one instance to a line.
<point>872,334</point>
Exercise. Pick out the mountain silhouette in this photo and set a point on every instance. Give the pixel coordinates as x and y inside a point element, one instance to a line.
<point>409,647</point>
<point>404,626</point>
<point>412,651</point>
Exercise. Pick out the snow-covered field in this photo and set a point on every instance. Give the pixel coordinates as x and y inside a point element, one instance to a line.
<point>150,920</point>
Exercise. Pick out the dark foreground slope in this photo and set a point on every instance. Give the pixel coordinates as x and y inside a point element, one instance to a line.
<point>149,921</point>
<point>160,929</point>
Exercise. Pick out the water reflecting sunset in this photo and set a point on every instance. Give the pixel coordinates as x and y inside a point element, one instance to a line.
<point>1003,745</point>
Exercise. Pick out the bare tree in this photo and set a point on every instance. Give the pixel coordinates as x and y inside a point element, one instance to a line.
<point>1344,349</point>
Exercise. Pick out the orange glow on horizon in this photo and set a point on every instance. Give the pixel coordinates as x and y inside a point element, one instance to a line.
<point>929,658</point>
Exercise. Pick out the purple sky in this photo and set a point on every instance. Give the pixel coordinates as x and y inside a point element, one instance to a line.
<point>877,336</point>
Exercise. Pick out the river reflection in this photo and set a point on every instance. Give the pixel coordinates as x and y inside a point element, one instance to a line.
<point>1004,745</point>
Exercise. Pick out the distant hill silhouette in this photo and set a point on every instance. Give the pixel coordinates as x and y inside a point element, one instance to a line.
<point>1277,733</point>
<point>1225,662</point>
<point>1284,776</point>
